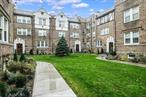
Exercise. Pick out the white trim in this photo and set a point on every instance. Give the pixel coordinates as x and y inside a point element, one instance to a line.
<point>110,40</point>
<point>19,40</point>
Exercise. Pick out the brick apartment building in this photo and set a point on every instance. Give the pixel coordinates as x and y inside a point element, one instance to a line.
<point>130,18</point>
<point>91,32</point>
<point>40,31</point>
<point>6,29</point>
<point>105,31</point>
<point>121,29</point>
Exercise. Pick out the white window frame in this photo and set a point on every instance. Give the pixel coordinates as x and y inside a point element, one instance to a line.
<point>130,12</point>
<point>131,38</point>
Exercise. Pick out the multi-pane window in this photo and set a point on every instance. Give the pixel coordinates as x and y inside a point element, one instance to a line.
<point>75,35</point>
<point>135,37</point>
<point>0,34</point>
<point>131,37</point>
<point>21,31</point>
<point>99,43</point>
<point>107,18</point>
<point>42,21</point>
<point>61,34</point>
<point>42,33</point>
<point>23,19</point>
<point>104,31</point>
<point>42,44</point>
<point>127,38</point>
<point>0,21</point>
<point>3,29</point>
<point>62,24</point>
<point>131,14</point>
<point>74,26</point>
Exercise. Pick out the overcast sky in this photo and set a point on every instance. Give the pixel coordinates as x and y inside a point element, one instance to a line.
<point>70,7</point>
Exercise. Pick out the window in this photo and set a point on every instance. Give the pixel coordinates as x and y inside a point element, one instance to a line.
<point>99,43</point>
<point>131,14</point>
<point>23,19</point>
<point>61,34</point>
<point>127,38</point>
<point>42,44</point>
<point>104,31</point>
<point>135,37</point>
<point>61,24</point>
<point>3,29</point>
<point>0,34</point>
<point>131,38</point>
<point>42,33</point>
<point>42,21</point>
<point>21,31</point>
<point>0,21</point>
<point>75,35</point>
<point>5,35</point>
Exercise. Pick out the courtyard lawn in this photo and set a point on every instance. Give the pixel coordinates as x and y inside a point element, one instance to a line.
<point>89,77</point>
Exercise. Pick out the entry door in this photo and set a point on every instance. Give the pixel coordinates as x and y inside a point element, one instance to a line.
<point>111,44</point>
<point>77,47</point>
<point>19,48</point>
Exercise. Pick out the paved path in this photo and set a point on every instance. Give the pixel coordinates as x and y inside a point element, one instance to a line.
<point>49,83</point>
<point>129,63</point>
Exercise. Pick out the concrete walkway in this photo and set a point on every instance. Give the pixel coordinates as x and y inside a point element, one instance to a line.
<point>49,83</point>
<point>116,61</point>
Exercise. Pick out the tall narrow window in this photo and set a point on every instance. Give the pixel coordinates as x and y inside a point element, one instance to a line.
<point>135,37</point>
<point>0,34</point>
<point>127,38</point>
<point>5,35</point>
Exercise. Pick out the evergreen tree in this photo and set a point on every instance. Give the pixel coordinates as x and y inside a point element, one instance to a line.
<point>15,56</point>
<point>22,58</point>
<point>62,48</point>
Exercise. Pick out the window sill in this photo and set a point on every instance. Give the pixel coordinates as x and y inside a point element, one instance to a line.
<point>131,44</point>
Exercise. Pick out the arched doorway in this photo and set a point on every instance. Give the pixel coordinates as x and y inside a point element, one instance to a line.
<point>19,46</point>
<point>110,44</point>
<point>77,46</point>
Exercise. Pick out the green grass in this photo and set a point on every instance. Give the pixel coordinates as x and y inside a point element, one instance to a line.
<point>90,77</point>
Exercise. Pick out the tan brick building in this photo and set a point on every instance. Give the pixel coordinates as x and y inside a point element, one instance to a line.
<point>130,21</point>
<point>105,32</point>
<point>91,33</point>
<point>75,34</point>
<point>6,29</point>
<point>23,31</point>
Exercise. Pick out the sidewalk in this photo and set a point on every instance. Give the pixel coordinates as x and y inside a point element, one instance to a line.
<point>49,83</point>
<point>116,61</point>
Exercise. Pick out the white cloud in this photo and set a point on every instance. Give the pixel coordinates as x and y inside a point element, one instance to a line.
<point>59,4</point>
<point>27,1</point>
<point>80,5</point>
<point>51,12</point>
<point>101,10</point>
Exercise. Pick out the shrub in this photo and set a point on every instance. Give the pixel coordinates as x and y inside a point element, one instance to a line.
<point>13,91</point>
<point>113,53</point>
<point>22,58</point>
<point>124,58</point>
<point>142,59</point>
<point>3,76</point>
<point>62,48</point>
<point>20,81</point>
<point>14,67</point>
<point>15,57</point>
<point>31,52</point>
<point>3,89</point>
<point>28,69</point>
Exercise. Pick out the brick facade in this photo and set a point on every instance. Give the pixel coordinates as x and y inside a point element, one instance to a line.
<point>6,45</point>
<point>137,25</point>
